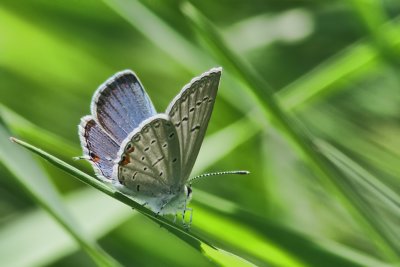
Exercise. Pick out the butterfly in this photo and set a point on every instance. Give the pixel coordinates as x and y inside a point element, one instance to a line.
<point>144,154</point>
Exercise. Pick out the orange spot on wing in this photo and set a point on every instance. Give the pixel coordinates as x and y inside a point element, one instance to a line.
<point>130,150</point>
<point>94,157</point>
<point>125,160</point>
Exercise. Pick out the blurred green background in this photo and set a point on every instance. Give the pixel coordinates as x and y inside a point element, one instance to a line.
<point>332,67</point>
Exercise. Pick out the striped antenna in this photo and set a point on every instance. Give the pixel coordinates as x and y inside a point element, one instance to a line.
<point>215,174</point>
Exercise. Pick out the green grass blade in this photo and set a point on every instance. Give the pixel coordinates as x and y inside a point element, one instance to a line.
<point>35,134</point>
<point>375,149</point>
<point>347,163</point>
<point>203,246</point>
<point>384,203</point>
<point>357,60</point>
<point>255,244</point>
<point>297,247</point>
<point>161,34</point>
<point>32,179</point>
<point>373,15</point>
<point>353,61</point>
<point>48,241</point>
<point>289,127</point>
<point>71,72</point>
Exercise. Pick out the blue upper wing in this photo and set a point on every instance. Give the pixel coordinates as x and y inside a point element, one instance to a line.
<point>120,104</point>
<point>98,147</point>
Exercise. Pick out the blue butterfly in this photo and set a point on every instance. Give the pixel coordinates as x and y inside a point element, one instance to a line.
<point>145,154</point>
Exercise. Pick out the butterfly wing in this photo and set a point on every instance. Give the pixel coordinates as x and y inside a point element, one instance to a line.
<point>149,159</point>
<point>120,104</point>
<point>190,112</point>
<point>98,147</point>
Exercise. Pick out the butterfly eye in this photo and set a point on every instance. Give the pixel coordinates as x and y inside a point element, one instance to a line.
<point>189,191</point>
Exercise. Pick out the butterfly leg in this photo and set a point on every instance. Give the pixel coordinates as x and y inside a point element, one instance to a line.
<point>183,216</point>
<point>162,207</point>
<point>191,217</point>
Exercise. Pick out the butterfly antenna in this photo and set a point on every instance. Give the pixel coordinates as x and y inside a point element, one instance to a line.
<point>215,174</point>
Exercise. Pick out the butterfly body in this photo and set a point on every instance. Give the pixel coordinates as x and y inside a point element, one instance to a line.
<point>146,155</point>
<point>162,203</point>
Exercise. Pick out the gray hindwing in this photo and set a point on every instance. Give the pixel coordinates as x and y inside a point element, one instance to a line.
<point>150,158</point>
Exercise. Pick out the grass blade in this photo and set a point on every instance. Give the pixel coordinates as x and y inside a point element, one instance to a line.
<point>373,15</point>
<point>160,33</point>
<point>33,180</point>
<point>346,163</point>
<point>380,199</point>
<point>354,61</point>
<point>49,242</point>
<point>22,127</point>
